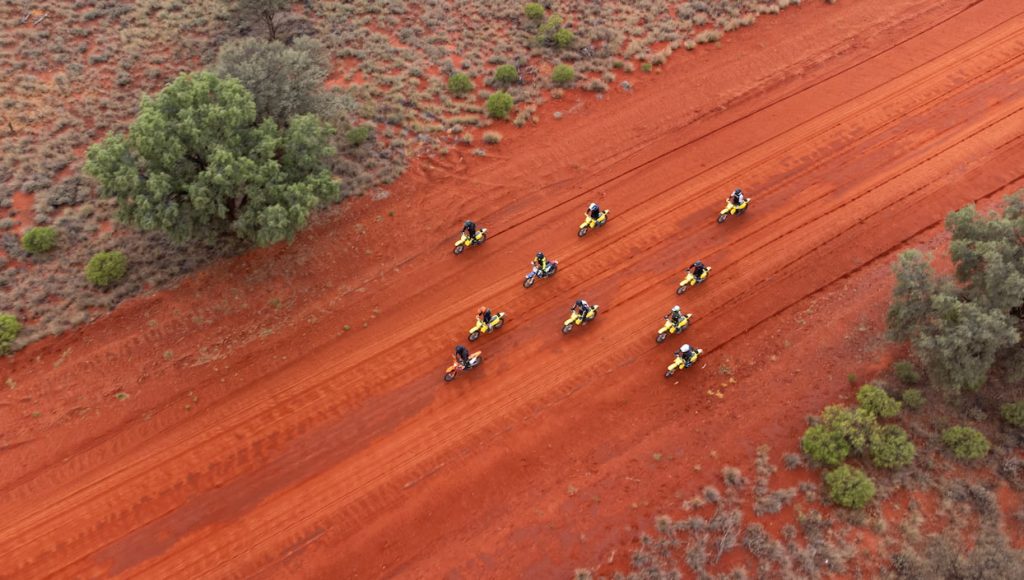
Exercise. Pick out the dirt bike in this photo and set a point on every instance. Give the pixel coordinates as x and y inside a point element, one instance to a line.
<point>480,328</point>
<point>534,273</point>
<point>679,362</point>
<point>673,328</point>
<point>590,223</point>
<point>466,241</point>
<point>474,361</point>
<point>577,320</point>
<point>691,280</point>
<point>731,209</point>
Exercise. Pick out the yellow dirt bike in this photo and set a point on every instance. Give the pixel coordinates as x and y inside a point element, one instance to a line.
<point>731,209</point>
<point>466,241</point>
<point>691,280</point>
<point>590,223</point>
<point>474,361</point>
<point>480,328</point>
<point>576,320</point>
<point>672,328</point>
<point>680,362</point>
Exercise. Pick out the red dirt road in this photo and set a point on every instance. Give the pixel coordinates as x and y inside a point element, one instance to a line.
<point>259,438</point>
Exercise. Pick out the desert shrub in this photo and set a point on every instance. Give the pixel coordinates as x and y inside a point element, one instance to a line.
<point>506,75</point>
<point>499,105</point>
<point>258,14</point>
<point>39,240</point>
<point>284,80</point>
<point>911,297</point>
<point>841,432</point>
<point>646,67</point>
<point>825,446</point>
<point>913,398</point>
<point>905,372</point>
<point>1013,413</point>
<point>564,38</point>
<point>459,84</point>
<point>356,136</point>
<point>849,487</point>
<point>965,442</point>
<point>9,329</point>
<point>891,448</point>
<point>563,75</point>
<point>492,137</point>
<point>106,268</point>
<point>877,402</point>
<point>198,164</point>
<point>534,11</point>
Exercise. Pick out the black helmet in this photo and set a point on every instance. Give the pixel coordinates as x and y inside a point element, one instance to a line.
<point>579,302</point>
<point>698,263</point>
<point>540,255</point>
<point>467,224</point>
<point>737,190</point>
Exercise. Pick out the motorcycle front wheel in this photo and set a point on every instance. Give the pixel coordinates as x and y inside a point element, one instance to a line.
<point>449,377</point>
<point>567,329</point>
<point>474,335</point>
<point>721,217</point>
<point>681,289</point>
<point>458,249</point>
<point>669,373</point>
<point>529,281</point>
<point>661,337</point>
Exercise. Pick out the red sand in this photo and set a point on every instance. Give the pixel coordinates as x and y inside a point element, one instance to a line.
<point>259,437</point>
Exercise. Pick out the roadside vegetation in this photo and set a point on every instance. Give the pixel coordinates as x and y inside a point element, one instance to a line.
<point>389,80</point>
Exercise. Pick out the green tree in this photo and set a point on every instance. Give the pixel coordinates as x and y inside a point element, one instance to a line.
<point>499,105</point>
<point>285,80</point>
<point>534,11</point>
<point>197,164</point>
<point>965,443</point>
<point>459,84</point>
<point>911,298</point>
<point>506,75</point>
<point>989,255</point>
<point>9,329</point>
<point>106,269</point>
<point>259,13</point>
<point>891,448</point>
<point>849,487</point>
<point>877,402</point>
<point>563,75</point>
<point>39,240</point>
<point>960,341</point>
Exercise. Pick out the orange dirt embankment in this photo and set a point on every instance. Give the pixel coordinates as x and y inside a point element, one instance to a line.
<point>258,436</point>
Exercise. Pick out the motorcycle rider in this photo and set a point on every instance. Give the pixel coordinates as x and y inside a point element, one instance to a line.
<point>461,357</point>
<point>676,316</point>
<point>737,199</point>
<point>484,317</point>
<point>582,309</point>
<point>594,211</point>
<point>699,270</point>
<point>540,264</point>
<point>469,229</point>
<point>688,355</point>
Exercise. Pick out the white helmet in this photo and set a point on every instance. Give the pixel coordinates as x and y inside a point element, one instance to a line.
<point>686,348</point>
<point>675,308</point>
<point>592,207</point>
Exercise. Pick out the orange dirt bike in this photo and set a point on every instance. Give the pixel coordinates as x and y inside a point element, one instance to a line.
<point>474,361</point>
<point>549,271</point>
<point>590,223</point>
<point>466,241</point>
<point>680,362</point>
<point>496,321</point>
<point>691,280</point>
<point>577,320</point>
<point>673,328</point>
<point>731,209</point>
